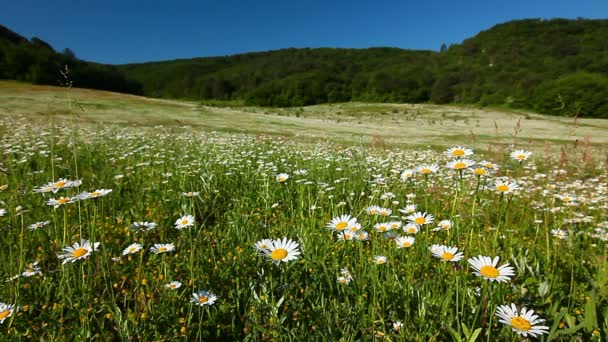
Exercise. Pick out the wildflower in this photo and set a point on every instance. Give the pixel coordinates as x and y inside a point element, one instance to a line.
<point>397,325</point>
<point>379,259</point>
<point>373,210</point>
<point>6,311</point>
<point>346,235</point>
<point>162,248</point>
<point>95,194</point>
<point>32,270</point>
<point>191,194</point>
<point>173,285</point>
<point>505,187</point>
<point>78,251</point>
<point>408,209</point>
<point>411,228</point>
<point>56,203</point>
<point>489,165</point>
<point>344,280</point>
<point>355,227</point>
<point>421,218</point>
<point>404,241</point>
<point>2,212</point>
<point>460,164</point>
<point>446,253</point>
<point>443,225</point>
<point>394,224</point>
<point>559,233</point>
<point>263,245</point>
<point>384,211</point>
<point>427,169</point>
<point>132,249</point>
<point>362,236</point>
<point>341,223</point>
<point>522,322</point>
<point>407,174</point>
<point>282,177</point>
<point>184,222</point>
<point>282,251</point>
<point>485,267</point>
<point>300,172</point>
<point>520,155</point>
<point>480,171</point>
<point>38,225</point>
<point>382,227</point>
<point>142,226</point>
<point>58,185</point>
<point>203,298</point>
<point>458,152</point>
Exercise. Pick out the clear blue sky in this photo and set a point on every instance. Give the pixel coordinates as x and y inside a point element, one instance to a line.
<point>135,31</point>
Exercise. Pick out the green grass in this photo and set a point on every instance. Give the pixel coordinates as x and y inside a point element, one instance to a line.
<point>108,296</point>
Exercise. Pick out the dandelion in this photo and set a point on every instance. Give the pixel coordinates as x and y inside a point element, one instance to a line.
<point>79,250</point>
<point>522,322</point>
<point>6,311</point>
<point>458,152</point>
<point>174,285</point>
<point>341,223</point>
<point>282,177</point>
<point>421,218</point>
<point>520,155</point>
<point>485,267</point>
<point>446,253</point>
<point>162,248</point>
<point>132,249</point>
<point>505,187</point>
<point>203,298</point>
<point>282,251</point>
<point>184,222</point>
<point>142,226</point>
<point>404,241</point>
<point>380,259</point>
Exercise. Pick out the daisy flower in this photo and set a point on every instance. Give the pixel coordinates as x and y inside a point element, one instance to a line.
<point>191,194</point>
<point>523,322</point>
<point>446,253</point>
<point>520,155</point>
<point>132,249</point>
<point>460,164</point>
<point>362,236</point>
<point>407,174</point>
<point>394,224</point>
<point>142,226</point>
<point>373,210</point>
<point>174,285</point>
<point>397,325</point>
<point>485,267</point>
<point>384,211</point>
<point>282,251</point>
<point>421,218</point>
<point>6,311</point>
<point>559,233</point>
<point>60,201</point>
<point>263,245</point>
<point>411,228</point>
<point>404,241</point>
<point>489,165</point>
<point>95,194</point>
<point>38,225</point>
<point>344,280</point>
<point>32,270</point>
<point>2,212</point>
<point>282,177</point>
<point>184,222</point>
<point>341,223</point>
<point>408,209</point>
<point>427,169</point>
<point>162,248</point>
<point>203,298</point>
<point>479,171</point>
<point>382,227</point>
<point>505,187</point>
<point>346,235</point>
<point>79,250</point>
<point>458,152</point>
<point>443,225</point>
<point>379,259</point>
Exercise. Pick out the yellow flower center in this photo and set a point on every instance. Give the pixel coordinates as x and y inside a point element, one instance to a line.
<point>384,213</point>
<point>162,249</point>
<point>420,220</point>
<point>502,188</point>
<point>521,156</point>
<point>79,252</point>
<point>489,271</point>
<point>373,212</point>
<point>95,194</point>
<point>459,166</point>
<point>185,222</point>
<point>458,153</point>
<point>382,229</point>
<point>447,256</point>
<point>282,179</point>
<point>411,230</point>
<point>171,286</point>
<point>63,200</point>
<point>343,280</point>
<point>406,244</point>
<point>278,254</point>
<point>425,171</point>
<point>480,171</point>
<point>5,314</point>
<point>394,226</point>
<point>566,199</point>
<point>60,184</point>
<point>341,225</point>
<point>203,299</point>
<point>132,250</point>
<point>521,323</point>
<point>347,237</point>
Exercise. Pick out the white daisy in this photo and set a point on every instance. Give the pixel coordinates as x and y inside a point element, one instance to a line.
<point>184,222</point>
<point>132,249</point>
<point>485,267</point>
<point>446,253</point>
<point>79,250</point>
<point>522,322</point>
<point>282,251</point>
<point>404,241</point>
<point>203,298</point>
<point>162,248</point>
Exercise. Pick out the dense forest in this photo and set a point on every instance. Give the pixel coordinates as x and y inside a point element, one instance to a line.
<point>556,66</point>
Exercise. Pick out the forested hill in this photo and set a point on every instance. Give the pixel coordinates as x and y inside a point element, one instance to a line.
<point>554,66</point>
<point>34,60</point>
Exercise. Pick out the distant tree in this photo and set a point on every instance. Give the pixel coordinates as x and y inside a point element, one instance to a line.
<point>443,48</point>
<point>67,52</point>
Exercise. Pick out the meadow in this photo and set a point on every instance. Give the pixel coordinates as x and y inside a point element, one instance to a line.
<point>125,218</point>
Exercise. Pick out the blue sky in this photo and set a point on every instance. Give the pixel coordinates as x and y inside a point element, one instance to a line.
<point>126,31</point>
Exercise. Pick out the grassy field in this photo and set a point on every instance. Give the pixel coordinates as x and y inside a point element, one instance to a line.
<point>125,218</point>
